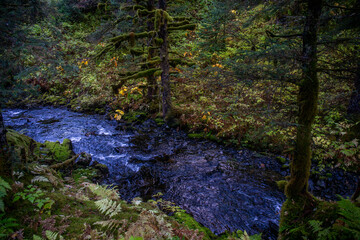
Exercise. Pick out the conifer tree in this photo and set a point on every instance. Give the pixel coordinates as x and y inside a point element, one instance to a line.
<point>155,53</point>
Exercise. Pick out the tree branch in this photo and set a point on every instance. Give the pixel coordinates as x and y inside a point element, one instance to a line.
<point>340,7</point>
<point>272,35</point>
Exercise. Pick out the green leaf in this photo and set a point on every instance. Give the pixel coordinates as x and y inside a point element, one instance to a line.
<point>16,198</point>
<point>40,204</point>
<point>31,199</point>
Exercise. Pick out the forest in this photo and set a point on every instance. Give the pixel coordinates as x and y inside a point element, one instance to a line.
<point>174,119</point>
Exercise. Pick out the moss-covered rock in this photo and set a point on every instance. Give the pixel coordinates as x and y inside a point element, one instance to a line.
<point>281,184</point>
<point>23,148</point>
<point>58,152</point>
<point>190,222</point>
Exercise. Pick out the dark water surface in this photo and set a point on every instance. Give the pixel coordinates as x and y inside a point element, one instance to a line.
<point>224,189</point>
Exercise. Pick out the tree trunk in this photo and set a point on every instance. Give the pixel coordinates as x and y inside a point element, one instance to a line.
<point>164,56</point>
<point>354,104</point>
<point>307,100</point>
<point>3,141</point>
<point>151,81</point>
<point>4,163</point>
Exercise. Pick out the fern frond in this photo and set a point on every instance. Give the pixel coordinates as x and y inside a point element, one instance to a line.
<point>36,237</point>
<point>18,174</point>
<point>108,207</point>
<point>351,216</point>
<point>245,236</point>
<point>4,184</point>
<point>53,235</point>
<point>109,192</point>
<point>112,225</point>
<point>39,179</point>
<point>315,225</point>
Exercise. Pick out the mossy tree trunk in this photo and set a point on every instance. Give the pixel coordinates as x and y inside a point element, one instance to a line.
<point>354,104</point>
<point>4,163</point>
<point>307,101</point>
<point>164,57</point>
<point>151,81</point>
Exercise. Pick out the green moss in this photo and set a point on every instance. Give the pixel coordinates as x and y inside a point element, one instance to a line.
<point>281,159</point>
<point>23,146</point>
<point>127,36</point>
<point>159,41</point>
<point>177,61</point>
<point>136,51</point>
<point>142,74</point>
<point>159,121</point>
<point>285,166</point>
<point>135,116</point>
<point>209,136</point>
<point>178,24</point>
<point>59,152</point>
<point>281,184</point>
<point>88,173</point>
<point>191,27</point>
<point>195,135</point>
<point>190,222</point>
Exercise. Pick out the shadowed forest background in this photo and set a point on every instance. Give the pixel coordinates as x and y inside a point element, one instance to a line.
<point>281,78</point>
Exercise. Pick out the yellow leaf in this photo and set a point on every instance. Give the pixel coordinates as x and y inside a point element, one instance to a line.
<point>204,117</point>
<point>120,112</point>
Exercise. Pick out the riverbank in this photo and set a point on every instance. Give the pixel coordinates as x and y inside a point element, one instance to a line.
<point>60,201</point>
<point>210,181</point>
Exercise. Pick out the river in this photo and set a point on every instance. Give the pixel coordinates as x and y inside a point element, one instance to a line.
<point>223,188</point>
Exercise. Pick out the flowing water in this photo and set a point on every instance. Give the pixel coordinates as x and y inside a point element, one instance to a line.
<point>223,188</point>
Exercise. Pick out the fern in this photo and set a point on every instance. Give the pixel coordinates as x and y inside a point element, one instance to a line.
<point>315,225</point>
<point>108,207</point>
<point>53,235</point>
<point>39,179</point>
<point>351,216</point>
<point>6,226</point>
<point>36,237</point>
<point>112,225</point>
<point>3,187</point>
<point>104,191</point>
<point>320,232</point>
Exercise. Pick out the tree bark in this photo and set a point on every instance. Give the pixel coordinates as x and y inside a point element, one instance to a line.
<point>3,141</point>
<point>4,163</point>
<point>164,56</point>
<point>307,101</point>
<point>354,104</point>
<point>151,81</point>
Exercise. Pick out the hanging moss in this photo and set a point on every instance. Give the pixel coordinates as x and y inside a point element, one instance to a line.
<point>160,16</point>
<point>191,27</point>
<point>136,51</point>
<point>167,16</point>
<point>177,24</point>
<point>128,17</point>
<point>150,63</point>
<point>179,19</point>
<point>144,12</point>
<point>132,39</point>
<point>132,7</point>
<point>159,41</point>
<point>157,20</point>
<point>127,36</point>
